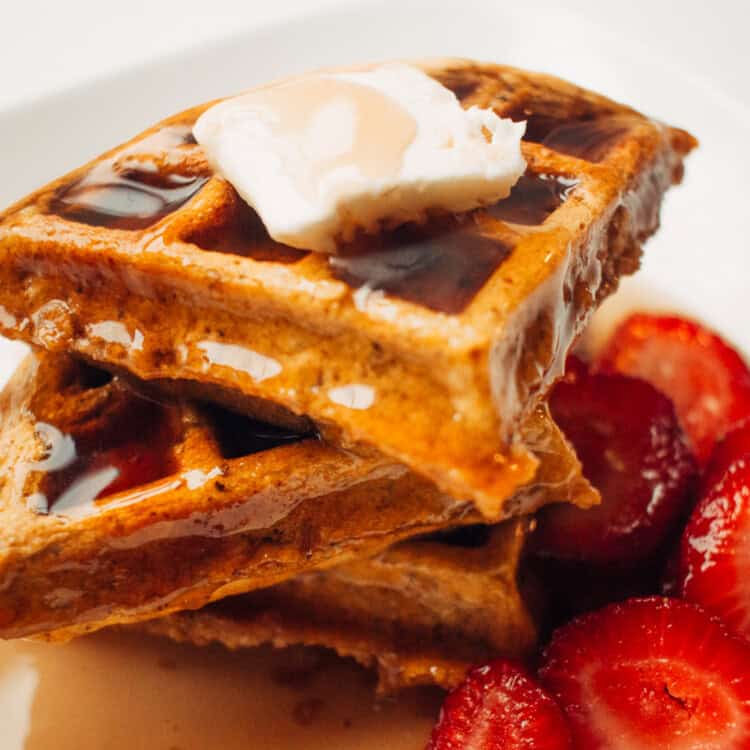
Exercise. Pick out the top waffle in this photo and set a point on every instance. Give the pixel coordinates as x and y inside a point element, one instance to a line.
<point>430,343</point>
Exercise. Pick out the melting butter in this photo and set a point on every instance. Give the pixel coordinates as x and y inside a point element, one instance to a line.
<point>322,156</point>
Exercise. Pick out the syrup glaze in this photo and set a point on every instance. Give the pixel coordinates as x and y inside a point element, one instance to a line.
<point>533,199</point>
<point>107,461</point>
<point>589,138</point>
<point>444,264</point>
<point>129,447</point>
<point>244,234</point>
<point>441,266</point>
<point>130,196</point>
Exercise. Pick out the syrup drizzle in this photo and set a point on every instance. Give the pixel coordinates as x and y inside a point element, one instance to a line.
<point>133,197</point>
<point>443,265</point>
<point>85,468</point>
<point>244,234</point>
<point>133,448</point>
<point>533,199</point>
<point>589,138</point>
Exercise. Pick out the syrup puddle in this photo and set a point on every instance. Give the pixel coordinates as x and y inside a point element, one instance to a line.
<point>123,691</point>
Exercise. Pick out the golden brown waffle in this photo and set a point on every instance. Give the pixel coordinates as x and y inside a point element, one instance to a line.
<point>143,260</point>
<point>421,612</point>
<point>115,508</point>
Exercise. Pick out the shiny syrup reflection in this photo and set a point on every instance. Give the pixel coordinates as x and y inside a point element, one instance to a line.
<point>131,446</point>
<point>83,467</point>
<point>244,234</point>
<point>444,264</point>
<point>586,138</point>
<point>130,195</point>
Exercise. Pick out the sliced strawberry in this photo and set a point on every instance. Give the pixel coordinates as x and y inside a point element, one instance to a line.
<point>714,565</point>
<point>633,451</point>
<point>651,673</point>
<point>499,706</point>
<point>731,447</point>
<point>707,380</point>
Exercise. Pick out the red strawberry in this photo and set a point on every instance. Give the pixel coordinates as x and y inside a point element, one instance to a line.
<point>714,567</point>
<point>707,380</point>
<point>732,446</point>
<point>633,450</point>
<point>500,707</point>
<point>651,673</point>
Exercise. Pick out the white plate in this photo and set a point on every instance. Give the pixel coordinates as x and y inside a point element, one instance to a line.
<point>696,264</point>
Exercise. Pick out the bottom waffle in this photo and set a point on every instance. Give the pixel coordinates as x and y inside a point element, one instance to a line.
<point>421,613</point>
<point>117,509</point>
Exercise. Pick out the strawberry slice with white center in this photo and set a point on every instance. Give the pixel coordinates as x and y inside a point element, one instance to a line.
<point>500,706</point>
<point>714,567</point>
<point>650,674</point>
<point>707,380</point>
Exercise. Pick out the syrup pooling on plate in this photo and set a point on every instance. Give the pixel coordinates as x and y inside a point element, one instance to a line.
<point>125,192</point>
<point>441,266</point>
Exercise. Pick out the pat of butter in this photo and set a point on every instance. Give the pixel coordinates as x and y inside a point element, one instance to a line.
<point>324,155</point>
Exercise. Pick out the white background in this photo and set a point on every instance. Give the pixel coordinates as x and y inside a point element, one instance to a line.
<point>50,46</point>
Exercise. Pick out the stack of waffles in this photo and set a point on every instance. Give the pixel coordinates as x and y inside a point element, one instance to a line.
<point>221,438</point>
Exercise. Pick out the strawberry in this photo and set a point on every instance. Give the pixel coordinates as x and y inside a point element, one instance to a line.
<point>633,451</point>
<point>706,379</point>
<point>714,566</point>
<point>732,446</point>
<point>651,673</point>
<point>500,706</point>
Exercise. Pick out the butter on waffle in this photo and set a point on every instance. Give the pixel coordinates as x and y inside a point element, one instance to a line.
<point>421,612</point>
<point>431,346</point>
<point>115,508</point>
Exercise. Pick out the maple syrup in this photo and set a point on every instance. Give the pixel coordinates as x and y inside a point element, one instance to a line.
<point>441,266</point>
<point>101,464</point>
<point>444,264</point>
<point>589,138</point>
<point>129,200</point>
<point>131,197</point>
<point>533,199</point>
<point>244,234</point>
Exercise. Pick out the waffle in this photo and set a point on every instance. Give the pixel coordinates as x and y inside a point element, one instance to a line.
<point>422,612</point>
<point>116,508</point>
<point>144,260</point>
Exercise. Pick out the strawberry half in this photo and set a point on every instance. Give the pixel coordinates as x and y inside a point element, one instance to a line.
<point>714,568</point>
<point>706,379</point>
<point>634,452</point>
<point>651,673</point>
<point>499,706</point>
